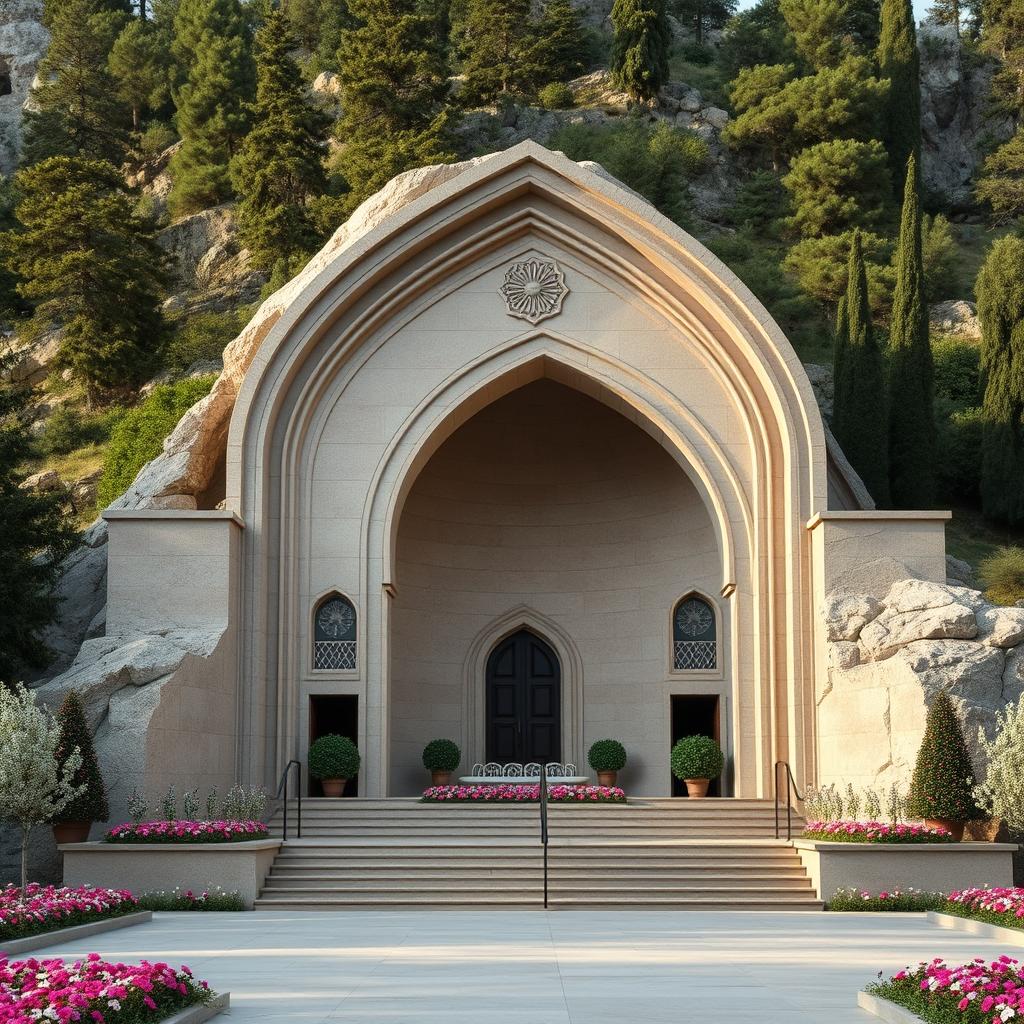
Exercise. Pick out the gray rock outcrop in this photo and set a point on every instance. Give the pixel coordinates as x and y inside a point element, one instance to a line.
<point>23,41</point>
<point>957,317</point>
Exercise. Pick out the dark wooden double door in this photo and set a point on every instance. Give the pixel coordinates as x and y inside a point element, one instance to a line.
<point>524,701</point>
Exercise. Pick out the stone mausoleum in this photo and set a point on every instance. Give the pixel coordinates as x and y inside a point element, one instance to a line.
<point>516,462</point>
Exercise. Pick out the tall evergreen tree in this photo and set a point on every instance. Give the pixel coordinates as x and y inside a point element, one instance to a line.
<point>702,15</point>
<point>280,165</point>
<point>859,421</point>
<point>496,40</point>
<point>53,8</point>
<point>75,108</point>
<point>90,268</point>
<point>394,81</point>
<point>91,804</point>
<point>34,535</point>
<point>640,47</point>
<point>141,66</point>
<point>900,62</point>
<point>840,352</point>
<point>560,51</point>
<point>211,41</point>
<point>911,386</point>
<point>1000,294</point>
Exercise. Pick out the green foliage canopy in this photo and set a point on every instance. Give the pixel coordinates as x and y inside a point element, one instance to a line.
<point>640,47</point>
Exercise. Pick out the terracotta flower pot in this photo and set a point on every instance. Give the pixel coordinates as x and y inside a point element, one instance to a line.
<point>984,830</point>
<point>607,778</point>
<point>333,787</point>
<point>71,831</point>
<point>697,788</point>
<point>440,778</point>
<point>955,827</point>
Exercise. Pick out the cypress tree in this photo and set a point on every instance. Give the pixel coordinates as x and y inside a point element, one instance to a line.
<point>943,782</point>
<point>280,165</point>
<point>91,268</point>
<point>1000,294</point>
<point>900,62</point>
<point>394,80</point>
<point>640,47</point>
<point>861,426</point>
<point>840,351</point>
<point>211,42</point>
<point>911,416</point>
<point>91,804</point>
<point>76,110</point>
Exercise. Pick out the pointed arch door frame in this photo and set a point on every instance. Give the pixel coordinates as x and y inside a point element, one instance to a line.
<point>475,681</point>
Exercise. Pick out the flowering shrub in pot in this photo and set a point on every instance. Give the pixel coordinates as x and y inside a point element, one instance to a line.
<point>75,819</point>
<point>874,832</point>
<point>95,991</point>
<point>508,792</point>
<point>333,760</point>
<point>44,908</point>
<point>441,758</point>
<point>607,758</point>
<point>697,760</point>
<point>187,832</point>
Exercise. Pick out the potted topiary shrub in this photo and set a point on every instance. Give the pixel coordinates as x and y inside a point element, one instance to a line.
<point>441,758</point>
<point>76,818</point>
<point>697,760</point>
<point>333,760</point>
<point>607,758</point>
<point>942,787</point>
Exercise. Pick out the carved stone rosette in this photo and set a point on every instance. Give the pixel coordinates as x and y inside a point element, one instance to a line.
<point>534,290</point>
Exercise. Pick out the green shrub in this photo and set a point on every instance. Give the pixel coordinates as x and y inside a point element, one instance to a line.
<point>697,53</point>
<point>960,441</point>
<point>140,432</point>
<point>942,786</point>
<point>912,900</point>
<point>697,757</point>
<point>91,804</point>
<point>556,96</point>
<point>1003,575</point>
<point>156,137</point>
<point>202,337</point>
<point>441,756</point>
<point>607,756</point>
<point>761,202</point>
<point>68,430</point>
<point>939,255</point>
<point>957,370</point>
<point>215,899</point>
<point>333,757</point>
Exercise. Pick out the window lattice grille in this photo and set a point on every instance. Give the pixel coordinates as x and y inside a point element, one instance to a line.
<point>695,654</point>
<point>334,655</point>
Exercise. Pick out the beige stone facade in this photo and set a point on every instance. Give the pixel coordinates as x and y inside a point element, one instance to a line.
<point>522,401</point>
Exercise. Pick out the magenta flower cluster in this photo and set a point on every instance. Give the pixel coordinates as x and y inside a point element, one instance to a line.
<point>45,904</point>
<point>996,901</point>
<point>186,832</point>
<point>994,989</point>
<point>524,793</point>
<point>874,832</point>
<point>92,990</point>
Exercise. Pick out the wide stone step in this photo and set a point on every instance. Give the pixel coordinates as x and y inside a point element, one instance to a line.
<point>556,883</point>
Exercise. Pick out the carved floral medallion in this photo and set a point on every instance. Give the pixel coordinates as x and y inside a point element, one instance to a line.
<point>534,290</point>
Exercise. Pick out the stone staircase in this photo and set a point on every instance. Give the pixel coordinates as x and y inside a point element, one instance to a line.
<point>648,853</point>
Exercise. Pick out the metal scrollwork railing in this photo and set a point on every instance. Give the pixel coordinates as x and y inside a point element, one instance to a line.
<point>532,769</point>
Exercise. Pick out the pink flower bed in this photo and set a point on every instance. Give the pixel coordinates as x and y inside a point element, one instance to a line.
<point>43,908</point>
<point>94,991</point>
<point>517,793</point>
<point>187,832</point>
<point>874,832</point>
<point>979,992</point>
<point>997,906</point>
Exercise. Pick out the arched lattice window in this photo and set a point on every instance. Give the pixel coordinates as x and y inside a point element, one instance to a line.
<point>694,635</point>
<point>334,635</point>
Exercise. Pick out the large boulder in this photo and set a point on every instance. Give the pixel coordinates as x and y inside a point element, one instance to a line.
<point>955,316</point>
<point>846,615</point>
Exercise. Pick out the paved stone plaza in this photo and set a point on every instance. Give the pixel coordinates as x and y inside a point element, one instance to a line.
<point>533,968</point>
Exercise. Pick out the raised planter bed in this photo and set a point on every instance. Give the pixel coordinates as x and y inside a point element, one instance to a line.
<point>933,867</point>
<point>15,947</point>
<point>885,1010</point>
<point>145,867</point>
<point>199,1014</point>
<point>1010,936</point>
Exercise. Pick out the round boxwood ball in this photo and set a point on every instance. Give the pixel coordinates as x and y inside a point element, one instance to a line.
<point>441,756</point>
<point>697,757</point>
<point>333,757</point>
<point>607,756</point>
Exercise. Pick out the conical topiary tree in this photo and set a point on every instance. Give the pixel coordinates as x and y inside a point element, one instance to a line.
<point>943,782</point>
<point>91,803</point>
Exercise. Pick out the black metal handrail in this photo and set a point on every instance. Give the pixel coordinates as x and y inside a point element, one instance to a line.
<point>791,789</point>
<point>282,787</point>
<point>544,825</point>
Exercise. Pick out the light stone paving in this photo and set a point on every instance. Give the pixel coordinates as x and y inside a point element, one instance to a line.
<point>452,967</point>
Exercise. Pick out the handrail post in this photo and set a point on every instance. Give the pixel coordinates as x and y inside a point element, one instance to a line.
<point>791,791</point>
<point>544,825</point>
<point>283,788</point>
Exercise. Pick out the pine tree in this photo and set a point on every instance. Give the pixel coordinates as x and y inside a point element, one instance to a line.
<point>90,268</point>
<point>53,8</point>
<point>560,49</point>
<point>91,804</point>
<point>942,786</point>
<point>211,42</point>
<point>280,165</point>
<point>75,109</point>
<point>496,40</point>
<point>860,423</point>
<point>701,15</point>
<point>911,414</point>
<point>141,66</point>
<point>394,81</point>
<point>900,62</point>
<point>640,47</point>
<point>1001,183</point>
<point>946,12</point>
<point>1000,294</point>
<point>813,24</point>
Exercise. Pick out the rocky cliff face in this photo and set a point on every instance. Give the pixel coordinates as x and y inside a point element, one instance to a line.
<point>23,41</point>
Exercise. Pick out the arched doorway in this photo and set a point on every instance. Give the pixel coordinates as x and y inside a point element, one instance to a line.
<point>524,701</point>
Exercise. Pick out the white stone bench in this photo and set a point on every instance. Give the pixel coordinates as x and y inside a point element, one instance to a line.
<point>514,774</point>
